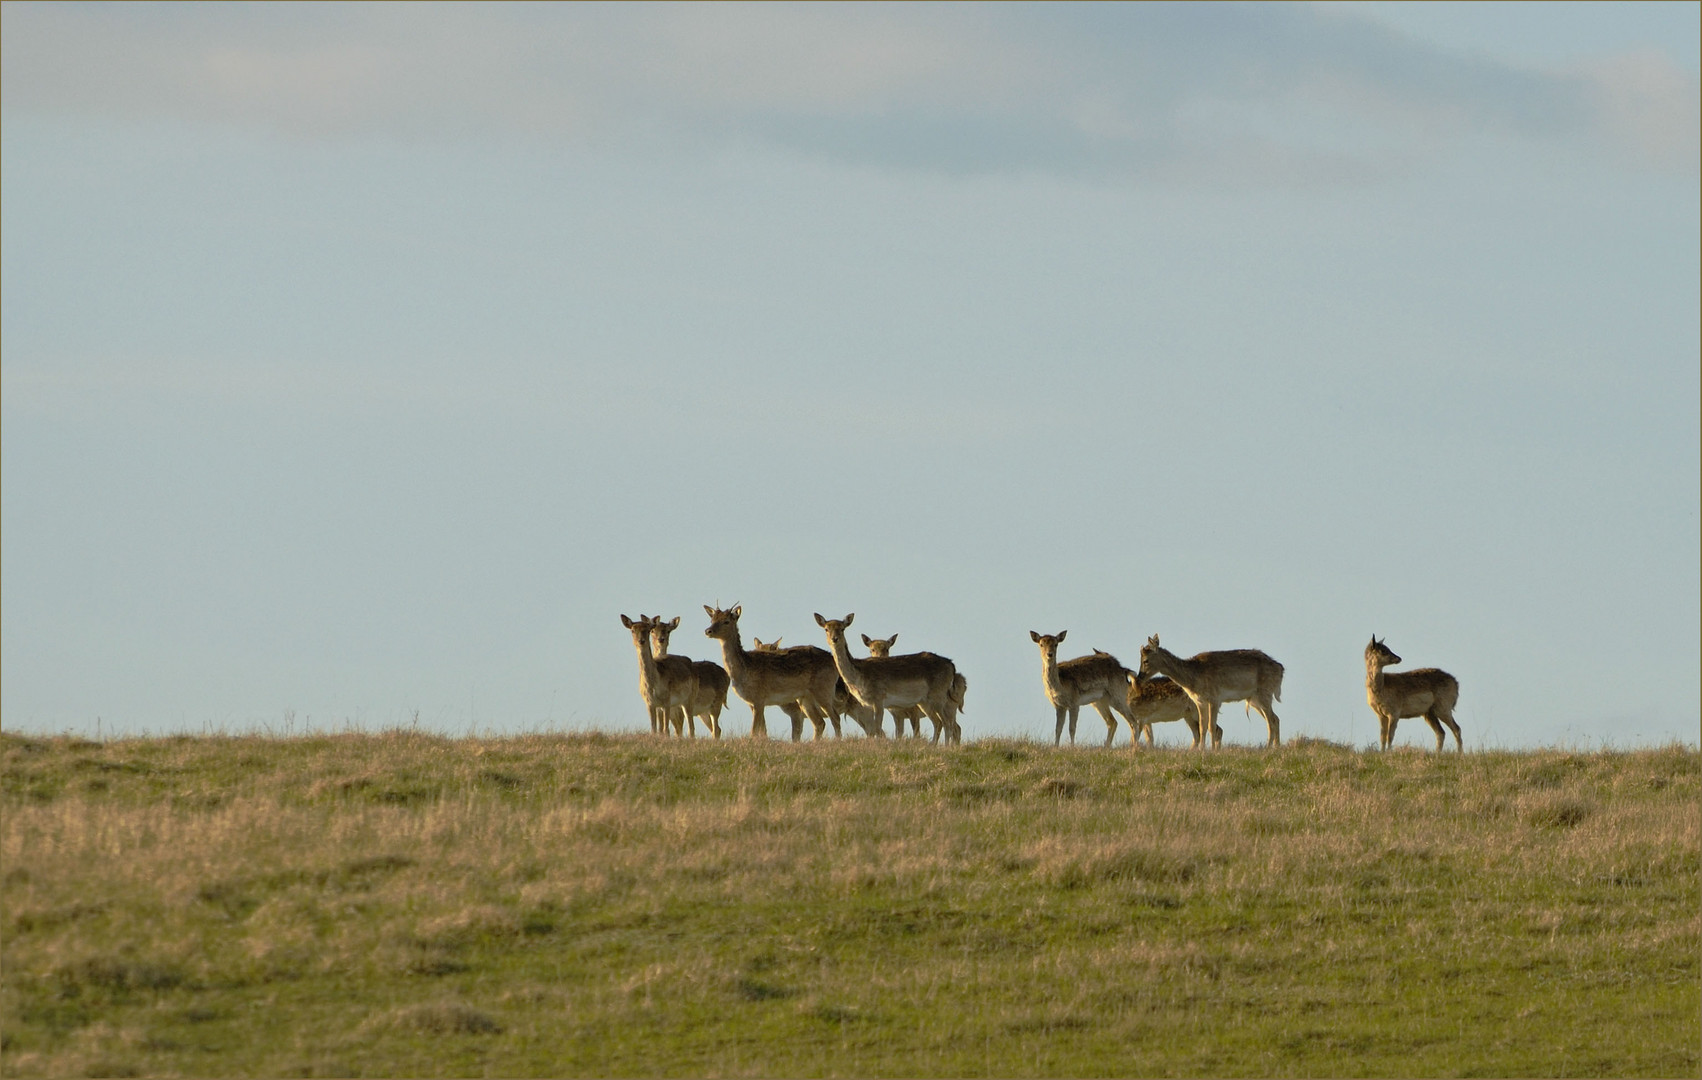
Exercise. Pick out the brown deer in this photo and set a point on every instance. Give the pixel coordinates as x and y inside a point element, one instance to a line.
<point>1212,678</point>
<point>803,675</point>
<point>880,648</point>
<point>667,685</point>
<point>711,694</point>
<point>1157,700</point>
<point>1098,680</point>
<point>923,679</point>
<point>1426,692</point>
<point>842,700</point>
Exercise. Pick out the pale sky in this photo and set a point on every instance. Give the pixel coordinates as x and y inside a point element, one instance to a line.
<point>366,362</point>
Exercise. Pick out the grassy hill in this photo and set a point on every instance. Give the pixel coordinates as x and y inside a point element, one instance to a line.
<point>400,904</point>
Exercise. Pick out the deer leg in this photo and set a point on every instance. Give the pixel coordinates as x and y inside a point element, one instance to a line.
<point>796,715</point>
<point>1110,718</point>
<point>759,724</point>
<point>1209,712</point>
<point>1448,718</point>
<point>1273,726</point>
<point>1074,711</point>
<point>1058,735</point>
<point>1436,729</point>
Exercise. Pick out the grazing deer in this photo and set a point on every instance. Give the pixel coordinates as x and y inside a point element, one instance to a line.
<point>922,679</point>
<point>1098,680</point>
<point>880,648</point>
<point>1157,700</point>
<point>802,677</point>
<point>666,685</point>
<point>1212,678</point>
<point>1427,692</point>
<point>711,695</point>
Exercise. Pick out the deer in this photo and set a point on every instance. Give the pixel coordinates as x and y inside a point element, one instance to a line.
<point>802,676</point>
<point>1156,700</point>
<point>1212,678</point>
<point>666,685</point>
<point>880,648</point>
<point>842,700</point>
<point>924,679</point>
<point>1427,692</point>
<point>1099,680</point>
<point>711,694</point>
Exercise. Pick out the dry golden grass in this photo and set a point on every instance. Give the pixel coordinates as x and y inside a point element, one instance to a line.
<point>408,905</point>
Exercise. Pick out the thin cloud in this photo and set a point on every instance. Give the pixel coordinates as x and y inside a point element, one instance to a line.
<point>1251,93</point>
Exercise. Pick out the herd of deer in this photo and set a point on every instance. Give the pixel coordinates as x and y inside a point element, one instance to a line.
<point>825,685</point>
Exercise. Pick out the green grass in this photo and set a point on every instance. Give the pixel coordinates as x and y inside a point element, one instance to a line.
<point>551,905</point>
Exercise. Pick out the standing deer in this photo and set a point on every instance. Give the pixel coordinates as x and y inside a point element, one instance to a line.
<point>803,675</point>
<point>880,648</point>
<point>711,694</point>
<point>1098,680</point>
<point>1212,678</point>
<point>842,699</point>
<point>923,679</point>
<point>1427,692</point>
<point>1157,700</point>
<point>667,685</point>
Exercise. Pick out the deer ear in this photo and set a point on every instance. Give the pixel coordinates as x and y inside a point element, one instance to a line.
<point>1034,636</point>
<point>849,617</point>
<point>709,611</point>
<point>866,640</point>
<point>737,608</point>
<point>1061,634</point>
<point>1153,640</point>
<point>675,625</point>
<point>821,622</point>
<point>626,622</point>
<point>891,641</point>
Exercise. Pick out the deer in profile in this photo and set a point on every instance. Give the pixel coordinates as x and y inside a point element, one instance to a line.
<point>802,676</point>
<point>1427,692</point>
<point>880,648</point>
<point>923,679</point>
<point>1157,700</point>
<point>1212,678</point>
<point>1098,680</point>
<point>842,700</point>
<point>711,694</point>
<point>667,685</point>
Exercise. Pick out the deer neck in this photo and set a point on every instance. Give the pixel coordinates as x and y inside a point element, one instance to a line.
<point>1173,667</point>
<point>733,656</point>
<point>848,670</point>
<point>649,679</point>
<point>1374,681</point>
<point>1049,672</point>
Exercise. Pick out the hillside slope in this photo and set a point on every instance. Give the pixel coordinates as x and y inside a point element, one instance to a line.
<point>400,904</point>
